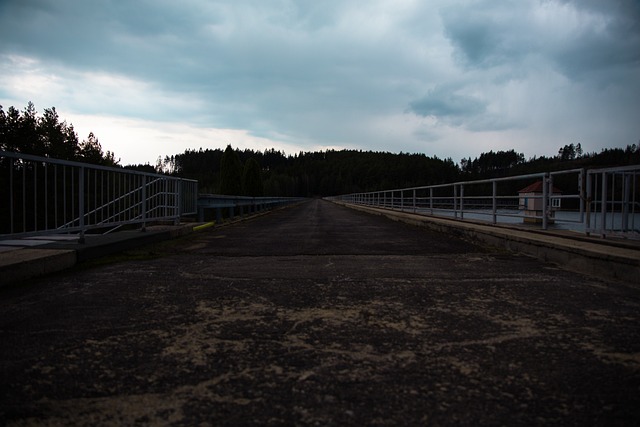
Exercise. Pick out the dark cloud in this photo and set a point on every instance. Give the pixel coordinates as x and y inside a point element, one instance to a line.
<point>486,33</point>
<point>577,38</point>
<point>590,52</point>
<point>445,103</point>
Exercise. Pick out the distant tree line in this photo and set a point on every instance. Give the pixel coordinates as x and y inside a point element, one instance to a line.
<point>308,174</point>
<point>509,163</point>
<point>334,172</point>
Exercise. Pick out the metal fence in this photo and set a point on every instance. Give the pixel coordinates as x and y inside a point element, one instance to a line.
<point>43,195</point>
<point>603,201</point>
<point>613,196</point>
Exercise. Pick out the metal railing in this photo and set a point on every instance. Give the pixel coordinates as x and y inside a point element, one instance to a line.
<point>613,196</point>
<point>43,195</point>
<point>233,206</point>
<point>556,199</point>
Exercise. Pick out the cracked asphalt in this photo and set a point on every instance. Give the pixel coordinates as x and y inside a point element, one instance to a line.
<point>319,315</point>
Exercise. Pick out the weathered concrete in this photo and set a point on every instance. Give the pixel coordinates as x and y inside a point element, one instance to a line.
<point>25,263</point>
<point>597,257</point>
<point>320,315</point>
<point>30,262</point>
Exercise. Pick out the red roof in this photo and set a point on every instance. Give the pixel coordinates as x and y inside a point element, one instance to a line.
<point>536,187</point>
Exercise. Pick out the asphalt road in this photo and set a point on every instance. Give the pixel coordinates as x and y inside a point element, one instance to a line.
<point>320,315</point>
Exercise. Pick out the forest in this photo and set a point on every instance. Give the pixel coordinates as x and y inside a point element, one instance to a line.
<point>307,174</point>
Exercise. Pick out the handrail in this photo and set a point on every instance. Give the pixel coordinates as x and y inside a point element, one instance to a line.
<point>498,200</point>
<point>616,192</point>
<point>45,195</point>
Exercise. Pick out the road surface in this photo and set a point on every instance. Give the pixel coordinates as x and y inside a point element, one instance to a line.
<point>320,315</point>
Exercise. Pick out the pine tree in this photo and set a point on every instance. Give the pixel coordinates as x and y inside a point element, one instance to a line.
<point>252,179</point>
<point>230,173</point>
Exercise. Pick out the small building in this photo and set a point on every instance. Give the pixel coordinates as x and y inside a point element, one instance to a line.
<point>530,201</point>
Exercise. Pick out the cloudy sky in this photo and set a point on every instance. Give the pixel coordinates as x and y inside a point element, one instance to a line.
<point>452,78</point>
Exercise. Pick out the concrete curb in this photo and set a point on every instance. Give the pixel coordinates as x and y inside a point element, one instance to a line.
<point>24,264</point>
<point>31,262</point>
<point>594,258</point>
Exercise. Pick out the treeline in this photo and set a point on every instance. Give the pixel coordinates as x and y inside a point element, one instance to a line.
<point>509,163</point>
<point>339,172</point>
<point>28,133</point>
<point>311,174</point>
<point>307,174</point>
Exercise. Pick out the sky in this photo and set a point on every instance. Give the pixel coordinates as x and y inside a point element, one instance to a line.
<point>447,78</point>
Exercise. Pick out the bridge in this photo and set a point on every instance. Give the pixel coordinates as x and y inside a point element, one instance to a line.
<point>319,314</point>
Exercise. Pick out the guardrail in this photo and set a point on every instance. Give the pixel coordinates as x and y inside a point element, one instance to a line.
<point>556,199</point>
<point>238,205</point>
<point>43,195</point>
<point>614,201</point>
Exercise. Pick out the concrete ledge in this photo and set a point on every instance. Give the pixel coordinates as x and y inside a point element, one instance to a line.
<point>591,257</point>
<point>27,263</point>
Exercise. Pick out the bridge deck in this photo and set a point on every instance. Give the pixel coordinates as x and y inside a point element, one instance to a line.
<point>319,314</point>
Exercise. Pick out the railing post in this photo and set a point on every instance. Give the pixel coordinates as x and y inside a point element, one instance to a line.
<point>603,205</point>
<point>545,201</point>
<point>35,196</point>
<point>589,197</point>
<point>81,204</point>
<point>494,201</point>
<point>11,198</point>
<point>144,203</point>
<point>178,199</point>
<point>581,178</point>
<point>431,200</point>
<point>414,200</point>
<point>461,201</point>
<point>626,190</point>
<point>166,196</point>
<point>24,198</point>
<point>46,196</point>
<point>455,201</point>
